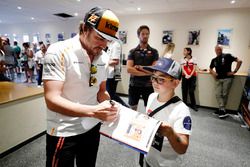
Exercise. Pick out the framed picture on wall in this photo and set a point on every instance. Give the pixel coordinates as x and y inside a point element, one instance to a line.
<point>72,34</point>
<point>167,36</point>
<point>224,37</point>
<point>123,36</point>
<point>15,37</point>
<point>193,37</point>
<point>36,38</point>
<point>60,36</point>
<point>26,38</point>
<point>47,38</point>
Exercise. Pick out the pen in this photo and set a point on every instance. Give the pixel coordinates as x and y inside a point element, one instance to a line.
<point>112,102</point>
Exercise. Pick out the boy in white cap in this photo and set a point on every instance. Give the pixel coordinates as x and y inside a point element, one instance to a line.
<point>74,76</point>
<point>172,137</point>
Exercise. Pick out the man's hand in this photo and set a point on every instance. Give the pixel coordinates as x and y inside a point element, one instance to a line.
<point>113,62</point>
<point>138,67</point>
<point>188,76</point>
<point>213,73</point>
<point>230,73</point>
<point>106,111</point>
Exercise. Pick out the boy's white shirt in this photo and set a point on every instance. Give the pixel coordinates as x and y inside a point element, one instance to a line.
<point>174,114</point>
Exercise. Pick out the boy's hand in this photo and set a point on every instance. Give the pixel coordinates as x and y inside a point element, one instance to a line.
<point>165,129</point>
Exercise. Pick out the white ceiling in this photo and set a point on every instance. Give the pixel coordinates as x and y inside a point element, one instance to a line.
<point>43,10</point>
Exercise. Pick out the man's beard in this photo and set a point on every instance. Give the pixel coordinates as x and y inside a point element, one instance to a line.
<point>95,52</point>
<point>92,51</point>
<point>144,41</point>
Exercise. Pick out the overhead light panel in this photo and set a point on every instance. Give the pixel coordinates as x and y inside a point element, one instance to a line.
<point>233,1</point>
<point>19,7</point>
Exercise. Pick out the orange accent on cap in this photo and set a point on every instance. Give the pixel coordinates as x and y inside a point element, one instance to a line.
<point>93,18</point>
<point>108,23</point>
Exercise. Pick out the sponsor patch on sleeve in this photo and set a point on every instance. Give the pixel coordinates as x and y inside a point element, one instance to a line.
<point>187,123</point>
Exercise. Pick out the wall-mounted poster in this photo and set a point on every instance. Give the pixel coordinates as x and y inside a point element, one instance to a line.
<point>224,37</point>
<point>47,38</point>
<point>36,38</point>
<point>60,36</point>
<point>15,37</point>
<point>123,36</point>
<point>26,38</point>
<point>167,36</point>
<point>194,37</point>
<point>72,34</point>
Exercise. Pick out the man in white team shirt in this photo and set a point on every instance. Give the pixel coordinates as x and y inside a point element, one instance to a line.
<point>74,78</point>
<point>114,51</point>
<point>39,59</point>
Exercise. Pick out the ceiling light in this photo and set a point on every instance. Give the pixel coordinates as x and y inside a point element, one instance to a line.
<point>233,1</point>
<point>76,14</point>
<point>78,0</point>
<point>139,9</point>
<point>32,18</point>
<point>19,7</point>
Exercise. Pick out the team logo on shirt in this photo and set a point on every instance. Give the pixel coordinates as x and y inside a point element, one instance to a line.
<point>103,64</point>
<point>149,53</point>
<point>50,64</point>
<point>78,62</point>
<point>187,122</point>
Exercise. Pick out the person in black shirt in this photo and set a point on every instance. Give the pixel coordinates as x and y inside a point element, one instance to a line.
<point>139,57</point>
<point>223,77</point>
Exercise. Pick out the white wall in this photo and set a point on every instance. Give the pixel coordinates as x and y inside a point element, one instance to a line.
<point>53,28</point>
<point>208,21</point>
<point>180,22</point>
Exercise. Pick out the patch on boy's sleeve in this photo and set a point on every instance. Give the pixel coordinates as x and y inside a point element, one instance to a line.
<point>187,123</point>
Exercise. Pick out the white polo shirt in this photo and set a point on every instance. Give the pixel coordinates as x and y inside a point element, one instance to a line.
<point>2,56</point>
<point>114,52</point>
<point>178,116</point>
<point>39,57</point>
<point>68,62</point>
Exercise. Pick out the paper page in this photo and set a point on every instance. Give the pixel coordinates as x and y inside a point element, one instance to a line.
<point>132,128</point>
